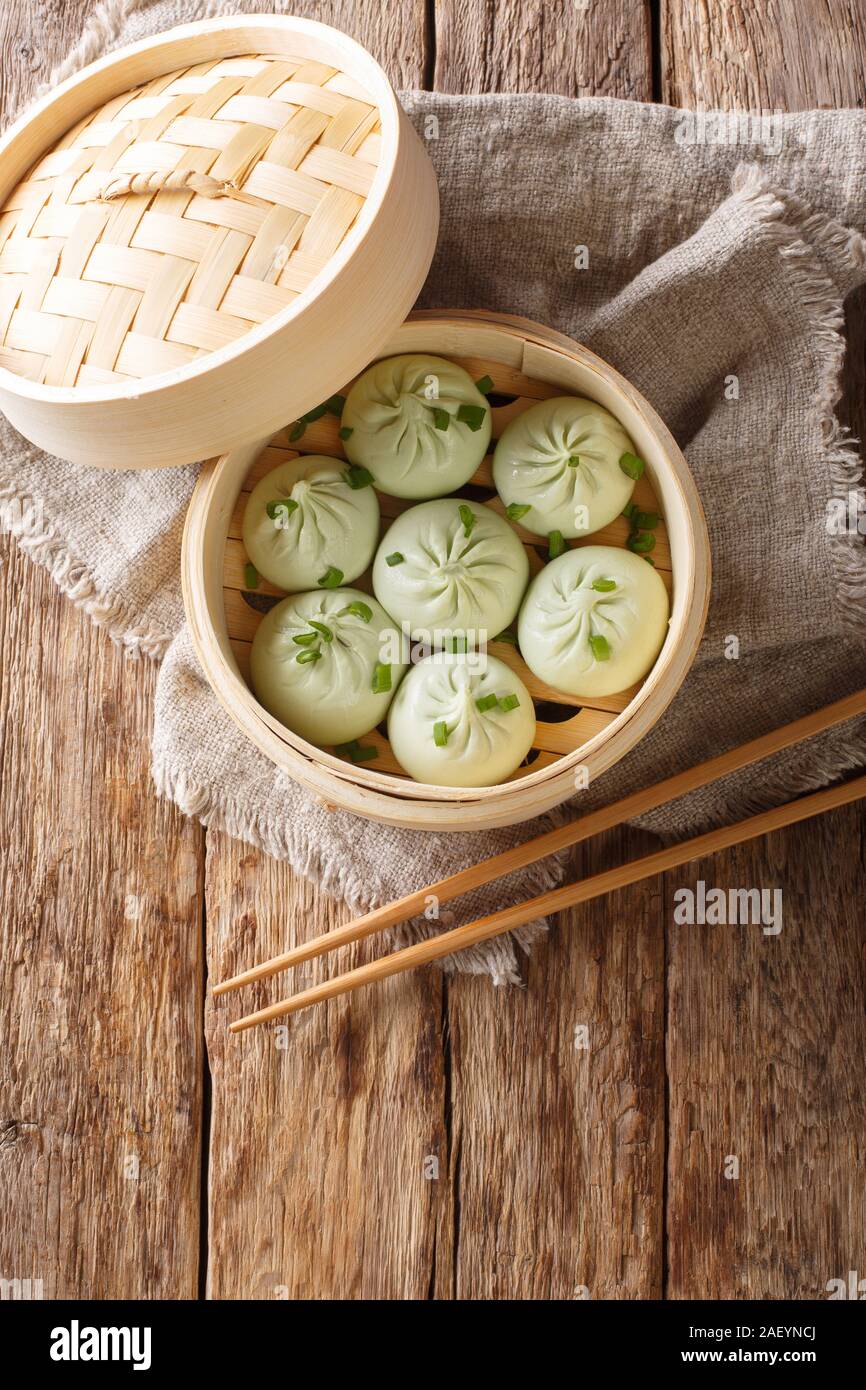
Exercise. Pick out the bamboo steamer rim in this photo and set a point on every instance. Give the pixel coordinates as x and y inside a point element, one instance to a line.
<point>69,98</point>
<point>383,796</point>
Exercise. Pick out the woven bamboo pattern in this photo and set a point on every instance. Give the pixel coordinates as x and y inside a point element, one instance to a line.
<point>97,288</point>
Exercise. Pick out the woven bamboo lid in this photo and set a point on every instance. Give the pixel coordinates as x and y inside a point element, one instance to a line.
<point>180,219</point>
<point>177,264</point>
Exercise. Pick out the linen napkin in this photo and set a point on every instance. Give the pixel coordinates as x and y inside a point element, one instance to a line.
<point>709,262</point>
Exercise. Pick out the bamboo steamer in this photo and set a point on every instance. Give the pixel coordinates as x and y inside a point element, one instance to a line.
<point>223,200</point>
<point>207,234</point>
<point>576,740</point>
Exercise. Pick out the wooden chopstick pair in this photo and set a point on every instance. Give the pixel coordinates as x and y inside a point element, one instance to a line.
<point>571,893</point>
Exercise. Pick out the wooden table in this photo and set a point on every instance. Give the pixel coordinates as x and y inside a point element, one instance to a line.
<point>435,1138</point>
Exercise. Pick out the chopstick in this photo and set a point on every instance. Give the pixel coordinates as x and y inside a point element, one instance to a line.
<point>647,799</point>
<point>558,898</point>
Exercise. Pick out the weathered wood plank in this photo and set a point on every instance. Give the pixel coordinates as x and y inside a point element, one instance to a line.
<point>763,55</point>
<point>329,1158</point>
<point>32,42</point>
<point>101,968</point>
<point>396,34</point>
<point>765,1033</point>
<point>571,47</point>
<point>317,1155</point>
<point>100,973</point>
<point>558,1150</point>
<point>558,1106</point>
<point>766,1053</point>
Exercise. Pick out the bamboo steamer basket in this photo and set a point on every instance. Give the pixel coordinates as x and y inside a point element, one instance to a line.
<point>145,322</point>
<point>206,235</point>
<point>576,740</point>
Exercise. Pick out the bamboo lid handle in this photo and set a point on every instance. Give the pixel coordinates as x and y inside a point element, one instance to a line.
<point>174,181</point>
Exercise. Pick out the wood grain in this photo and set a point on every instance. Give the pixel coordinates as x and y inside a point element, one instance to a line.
<point>766,1033</point>
<point>101,970</point>
<point>559,1151</point>
<point>558,1106</point>
<point>763,55</point>
<point>766,1050</point>
<point>317,1186</point>
<point>102,895</point>
<point>329,1152</point>
<point>33,40</point>
<point>397,34</point>
<point>573,47</point>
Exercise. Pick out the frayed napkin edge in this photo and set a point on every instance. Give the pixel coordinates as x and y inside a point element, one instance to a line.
<point>801,234</point>
<point>496,958</point>
<point>41,544</point>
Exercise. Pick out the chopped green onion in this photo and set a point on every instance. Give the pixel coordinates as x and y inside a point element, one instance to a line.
<point>296,431</point>
<point>440,733</point>
<point>332,406</point>
<point>468,517</point>
<point>441,418</point>
<point>641,541</point>
<point>600,647</point>
<point>305,639</point>
<point>508,702</point>
<point>484,384</point>
<point>285,506</point>
<point>632,466</point>
<point>251,576</point>
<point>472,415</point>
<point>508,637</point>
<point>604,586</point>
<point>358,477</point>
<point>457,644</point>
<point>331,579</point>
<point>515,510</point>
<point>395,558</point>
<point>381,678</point>
<point>345,432</point>
<point>574,461</point>
<point>555,545</point>
<point>323,630</point>
<point>629,509</point>
<point>359,609</point>
<point>645,521</point>
<point>359,753</point>
<point>304,658</point>
<point>486,702</point>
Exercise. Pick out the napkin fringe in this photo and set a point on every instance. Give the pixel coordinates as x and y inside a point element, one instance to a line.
<point>339,878</point>
<point>804,237</point>
<point>97,38</point>
<point>42,545</point>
